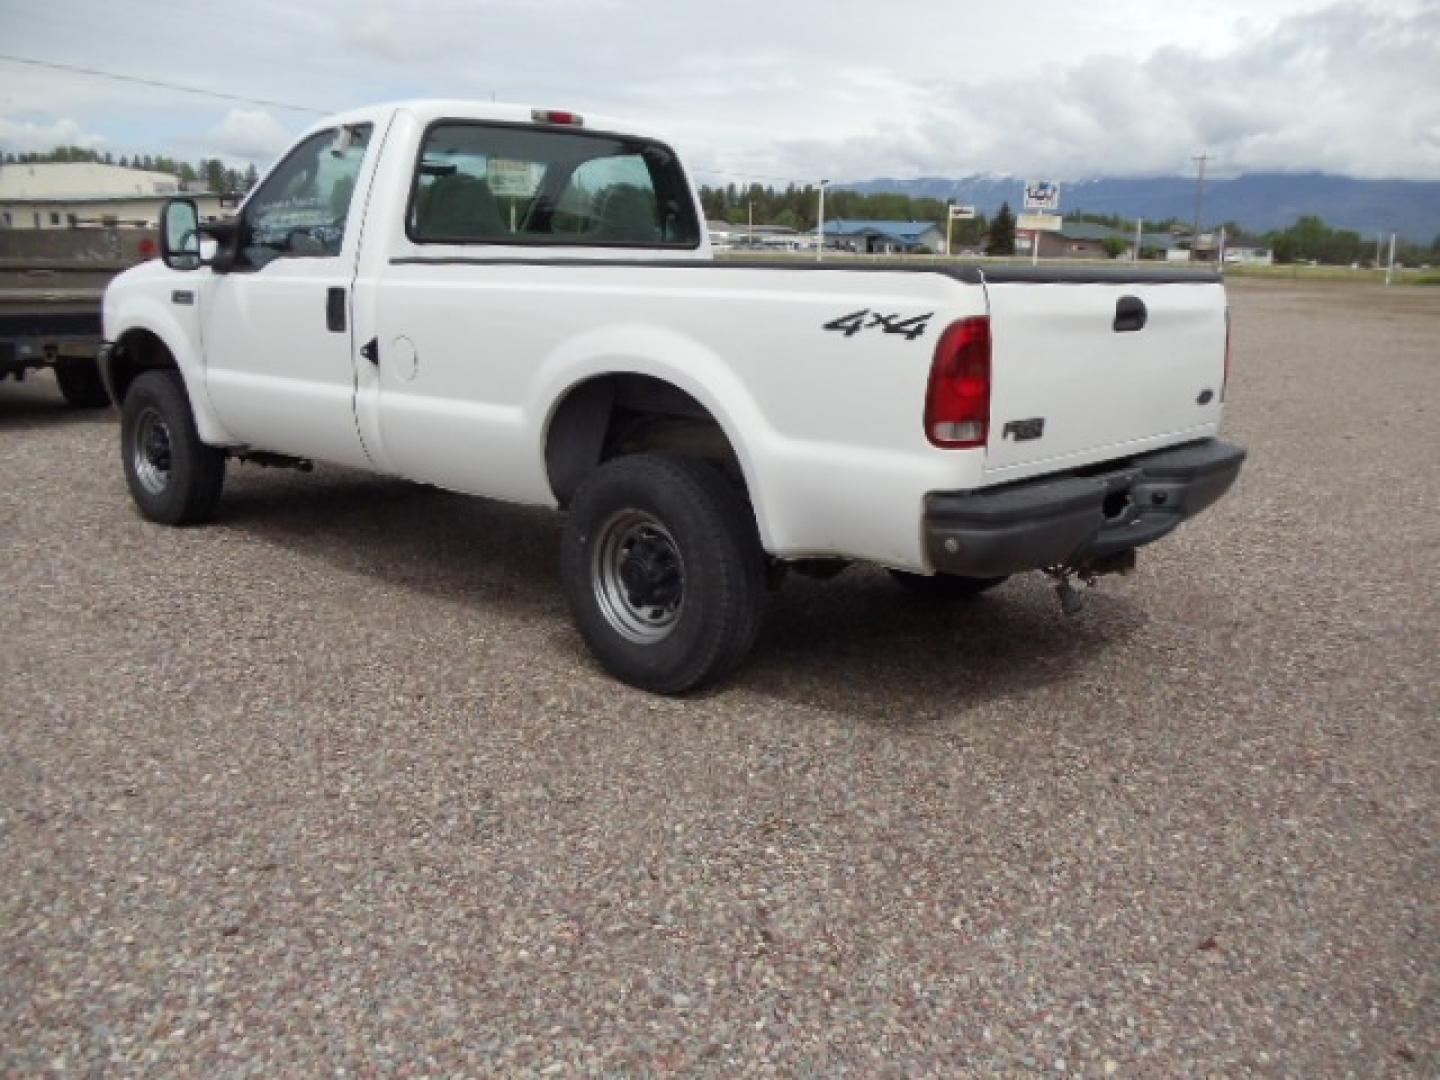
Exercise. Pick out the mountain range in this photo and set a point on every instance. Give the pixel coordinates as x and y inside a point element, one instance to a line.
<point>1258,201</point>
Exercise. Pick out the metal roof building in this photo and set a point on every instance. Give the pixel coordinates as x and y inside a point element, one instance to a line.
<point>64,194</point>
<point>883,237</point>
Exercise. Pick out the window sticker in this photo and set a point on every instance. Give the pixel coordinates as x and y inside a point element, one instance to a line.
<point>516,179</point>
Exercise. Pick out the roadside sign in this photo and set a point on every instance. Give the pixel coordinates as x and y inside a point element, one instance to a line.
<point>962,213</point>
<point>1042,195</point>
<point>1039,222</point>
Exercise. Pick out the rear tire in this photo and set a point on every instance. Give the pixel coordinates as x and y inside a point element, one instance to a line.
<point>945,586</point>
<point>174,478</point>
<point>663,571</point>
<point>80,384</point>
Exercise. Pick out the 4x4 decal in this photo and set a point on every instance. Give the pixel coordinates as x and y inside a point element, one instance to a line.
<point>850,325</point>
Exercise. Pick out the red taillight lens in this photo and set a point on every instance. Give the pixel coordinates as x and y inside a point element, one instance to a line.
<point>957,404</point>
<point>556,116</point>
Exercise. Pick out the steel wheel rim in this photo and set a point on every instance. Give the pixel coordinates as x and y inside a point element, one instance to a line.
<point>151,452</point>
<point>638,576</point>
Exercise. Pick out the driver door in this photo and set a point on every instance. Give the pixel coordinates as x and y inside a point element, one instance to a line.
<point>277,327</point>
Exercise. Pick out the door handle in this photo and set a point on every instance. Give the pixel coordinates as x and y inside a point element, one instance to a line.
<point>1130,314</point>
<point>335,310</point>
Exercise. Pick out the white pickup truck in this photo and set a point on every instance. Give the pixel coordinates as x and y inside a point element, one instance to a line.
<point>522,304</point>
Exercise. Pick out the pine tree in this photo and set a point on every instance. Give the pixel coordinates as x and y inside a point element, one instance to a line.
<point>213,170</point>
<point>1002,233</point>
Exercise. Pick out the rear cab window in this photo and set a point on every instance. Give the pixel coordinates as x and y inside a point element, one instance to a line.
<point>488,183</point>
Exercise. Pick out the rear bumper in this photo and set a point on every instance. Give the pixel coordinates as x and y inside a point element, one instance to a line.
<point>1070,520</point>
<point>31,340</point>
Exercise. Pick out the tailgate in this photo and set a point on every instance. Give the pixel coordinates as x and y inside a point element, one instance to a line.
<point>1089,371</point>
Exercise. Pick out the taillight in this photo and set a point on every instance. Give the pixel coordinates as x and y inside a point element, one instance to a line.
<point>1224,382</point>
<point>556,116</point>
<point>957,403</point>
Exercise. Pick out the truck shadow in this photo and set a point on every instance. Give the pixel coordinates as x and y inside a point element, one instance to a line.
<point>434,542</point>
<point>37,403</point>
<point>858,644</point>
<point>862,646</point>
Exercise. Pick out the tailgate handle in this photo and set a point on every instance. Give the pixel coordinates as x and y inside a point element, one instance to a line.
<point>1130,314</point>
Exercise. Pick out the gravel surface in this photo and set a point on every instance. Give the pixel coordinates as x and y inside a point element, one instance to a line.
<point>332,786</point>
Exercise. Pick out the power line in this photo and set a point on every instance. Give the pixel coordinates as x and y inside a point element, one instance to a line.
<point>158,84</point>
<point>752,176</point>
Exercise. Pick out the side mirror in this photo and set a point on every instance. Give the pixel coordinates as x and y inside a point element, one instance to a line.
<point>225,234</point>
<point>180,234</point>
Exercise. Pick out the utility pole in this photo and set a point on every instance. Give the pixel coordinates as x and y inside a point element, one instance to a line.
<point>1139,238</point>
<point>750,223</point>
<point>820,226</point>
<point>1390,266</point>
<point>1199,159</point>
<point>949,226</point>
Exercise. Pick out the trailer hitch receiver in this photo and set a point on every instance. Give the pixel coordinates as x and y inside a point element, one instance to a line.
<point>1088,572</point>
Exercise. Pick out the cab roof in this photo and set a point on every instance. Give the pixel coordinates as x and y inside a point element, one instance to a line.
<point>426,110</point>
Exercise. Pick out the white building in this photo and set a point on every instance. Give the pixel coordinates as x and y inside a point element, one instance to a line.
<point>1249,256</point>
<point>725,237</point>
<point>66,194</point>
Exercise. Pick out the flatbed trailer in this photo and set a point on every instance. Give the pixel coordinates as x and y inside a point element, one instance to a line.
<point>52,283</point>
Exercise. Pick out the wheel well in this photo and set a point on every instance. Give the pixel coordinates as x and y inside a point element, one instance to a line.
<point>136,352</point>
<point>614,415</point>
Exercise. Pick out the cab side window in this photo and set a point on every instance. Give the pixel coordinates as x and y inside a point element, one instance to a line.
<point>302,208</point>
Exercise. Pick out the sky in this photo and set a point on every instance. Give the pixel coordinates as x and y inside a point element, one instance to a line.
<point>770,90</point>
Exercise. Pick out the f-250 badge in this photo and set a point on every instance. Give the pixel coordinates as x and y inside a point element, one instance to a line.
<point>865,319</point>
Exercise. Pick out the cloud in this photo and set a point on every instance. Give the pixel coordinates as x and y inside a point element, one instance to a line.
<point>25,136</point>
<point>1347,89</point>
<point>808,88</point>
<point>250,134</point>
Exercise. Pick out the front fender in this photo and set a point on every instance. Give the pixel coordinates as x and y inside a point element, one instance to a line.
<point>632,349</point>
<point>130,307</point>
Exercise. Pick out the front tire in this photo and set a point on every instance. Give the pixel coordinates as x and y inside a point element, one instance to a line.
<point>174,478</point>
<point>663,571</point>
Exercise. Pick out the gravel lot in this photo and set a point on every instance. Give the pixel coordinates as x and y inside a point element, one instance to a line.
<point>333,786</point>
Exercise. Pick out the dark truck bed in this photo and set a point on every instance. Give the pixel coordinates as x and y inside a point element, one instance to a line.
<point>52,282</point>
